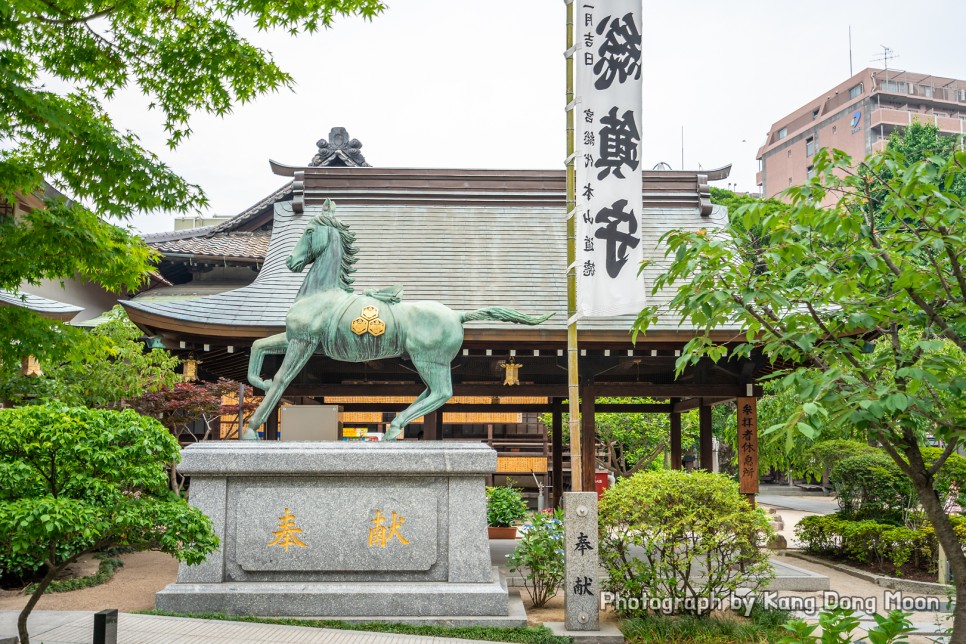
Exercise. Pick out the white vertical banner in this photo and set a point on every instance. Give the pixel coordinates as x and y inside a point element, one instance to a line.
<point>607,111</point>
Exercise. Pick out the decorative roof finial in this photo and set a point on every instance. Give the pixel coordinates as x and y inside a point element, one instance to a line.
<point>339,150</point>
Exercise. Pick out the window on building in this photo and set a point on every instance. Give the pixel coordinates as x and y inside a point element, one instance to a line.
<point>6,209</point>
<point>815,113</point>
<point>856,91</point>
<point>810,172</point>
<point>897,87</point>
<point>782,133</point>
<point>810,147</point>
<point>789,153</point>
<point>926,91</point>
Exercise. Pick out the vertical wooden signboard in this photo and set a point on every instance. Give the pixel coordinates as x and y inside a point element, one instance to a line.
<point>748,446</point>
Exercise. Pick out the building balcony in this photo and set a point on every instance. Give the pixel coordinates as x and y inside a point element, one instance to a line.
<point>890,119</point>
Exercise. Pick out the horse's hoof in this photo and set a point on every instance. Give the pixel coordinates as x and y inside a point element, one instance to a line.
<point>392,434</point>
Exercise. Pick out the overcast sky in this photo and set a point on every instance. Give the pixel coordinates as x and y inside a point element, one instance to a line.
<point>457,84</point>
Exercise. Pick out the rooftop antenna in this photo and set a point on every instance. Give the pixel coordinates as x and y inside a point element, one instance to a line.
<point>850,51</point>
<point>682,147</point>
<point>887,55</point>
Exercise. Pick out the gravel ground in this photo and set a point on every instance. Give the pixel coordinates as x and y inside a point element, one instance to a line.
<point>132,588</point>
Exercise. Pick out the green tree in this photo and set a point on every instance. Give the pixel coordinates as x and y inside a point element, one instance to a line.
<point>59,60</point>
<point>114,369</point>
<point>920,141</point>
<point>78,480</point>
<point>861,305</point>
<point>632,442</point>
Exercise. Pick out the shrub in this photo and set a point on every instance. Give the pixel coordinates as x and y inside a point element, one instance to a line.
<point>504,506</point>
<point>539,556</point>
<point>821,534</point>
<point>871,486</point>
<point>660,530</point>
<point>763,626</point>
<point>868,541</point>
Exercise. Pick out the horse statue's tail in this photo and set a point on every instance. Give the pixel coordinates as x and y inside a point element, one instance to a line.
<point>503,314</point>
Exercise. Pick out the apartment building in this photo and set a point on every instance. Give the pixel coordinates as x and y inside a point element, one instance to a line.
<point>857,117</point>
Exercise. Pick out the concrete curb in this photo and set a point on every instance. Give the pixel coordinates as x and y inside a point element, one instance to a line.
<point>892,583</point>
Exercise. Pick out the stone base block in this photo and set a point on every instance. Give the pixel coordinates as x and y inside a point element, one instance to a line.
<point>517,617</point>
<point>339,599</point>
<point>608,633</point>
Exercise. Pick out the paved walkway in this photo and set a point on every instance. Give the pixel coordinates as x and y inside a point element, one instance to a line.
<point>812,504</point>
<point>77,627</point>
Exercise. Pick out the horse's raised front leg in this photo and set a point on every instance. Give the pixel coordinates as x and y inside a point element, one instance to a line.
<point>272,345</point>
<point>439,389</point>
<point>298,353</point>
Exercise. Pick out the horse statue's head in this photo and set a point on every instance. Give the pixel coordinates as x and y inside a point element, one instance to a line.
<point>314,240</point>
<point>323,233</point>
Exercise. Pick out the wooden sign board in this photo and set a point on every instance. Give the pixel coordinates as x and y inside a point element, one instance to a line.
<point>748,445</point>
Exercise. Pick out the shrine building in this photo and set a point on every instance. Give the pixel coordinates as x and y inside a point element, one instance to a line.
<point>469,239</point>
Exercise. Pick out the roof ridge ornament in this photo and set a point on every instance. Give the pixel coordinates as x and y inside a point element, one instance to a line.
<point>339,150</point>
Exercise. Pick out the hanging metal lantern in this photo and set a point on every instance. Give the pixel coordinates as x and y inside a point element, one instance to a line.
<point>190,368</point>
<point>511,372</point>
<point>30,366</point>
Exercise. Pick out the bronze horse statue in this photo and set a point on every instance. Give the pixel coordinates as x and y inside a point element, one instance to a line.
<point>328,317</point>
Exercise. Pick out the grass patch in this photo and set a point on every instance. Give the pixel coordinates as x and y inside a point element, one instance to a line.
<point>105,572</point>
<point>762,627</point>
<point>522,634</point>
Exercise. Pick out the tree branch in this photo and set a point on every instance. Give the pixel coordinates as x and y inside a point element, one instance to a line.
<point>77,20</point>
<point>950,446</point>
<point>896,456</point>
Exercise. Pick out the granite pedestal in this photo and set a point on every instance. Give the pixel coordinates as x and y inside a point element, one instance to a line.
<point>390,531</point>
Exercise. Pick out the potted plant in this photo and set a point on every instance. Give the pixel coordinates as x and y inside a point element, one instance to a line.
<point>504,507</point>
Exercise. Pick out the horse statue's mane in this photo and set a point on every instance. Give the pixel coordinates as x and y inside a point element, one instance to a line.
<point>349,250</point>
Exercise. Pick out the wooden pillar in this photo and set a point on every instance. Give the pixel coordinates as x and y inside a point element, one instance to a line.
<point>556,452</point>
<point>588,439</point>
<point>439,424</point>
<point>430,430</point>
<point>705,443</point>
<point>675,437</point>
<point>271,425</point>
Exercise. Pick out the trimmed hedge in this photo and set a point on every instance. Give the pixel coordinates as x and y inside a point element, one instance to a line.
<point>872,542</point>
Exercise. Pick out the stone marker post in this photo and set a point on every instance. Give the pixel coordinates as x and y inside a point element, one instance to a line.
<point>581,562</point>
<point>105,626</point>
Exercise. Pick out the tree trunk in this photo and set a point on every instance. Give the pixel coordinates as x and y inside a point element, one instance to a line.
<point>936,514</point>
<point>52,572</point>
<point>174,478</point>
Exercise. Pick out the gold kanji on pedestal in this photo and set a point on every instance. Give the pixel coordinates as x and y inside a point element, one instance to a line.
<point>380,533</point>
<point>285,536</point>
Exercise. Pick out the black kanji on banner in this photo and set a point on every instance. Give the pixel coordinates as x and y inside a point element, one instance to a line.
<point>619,57</point>
<point>618,231</point>
<point>619,139</point>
